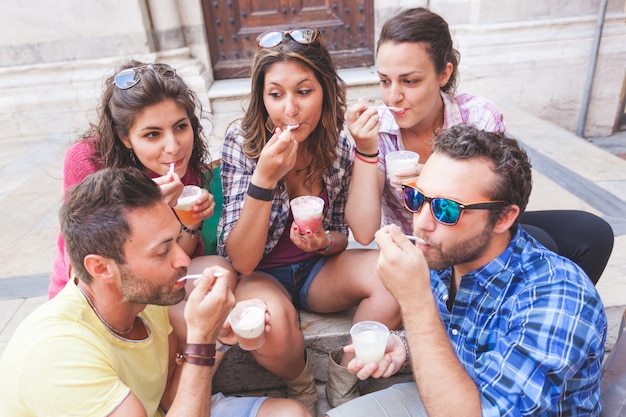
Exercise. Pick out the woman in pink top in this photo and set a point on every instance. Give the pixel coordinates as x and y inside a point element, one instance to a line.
<point>148,118</point>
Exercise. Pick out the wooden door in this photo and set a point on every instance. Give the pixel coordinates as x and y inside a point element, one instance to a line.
<point>232,26</point>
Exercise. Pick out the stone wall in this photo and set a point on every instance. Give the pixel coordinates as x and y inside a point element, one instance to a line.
<point>535,54</point>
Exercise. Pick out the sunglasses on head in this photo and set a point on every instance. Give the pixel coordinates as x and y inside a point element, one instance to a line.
<point>128,78</point>
<point>444,210</point>
<point>304,36</point>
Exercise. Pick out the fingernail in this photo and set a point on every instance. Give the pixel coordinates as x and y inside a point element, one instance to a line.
<point>308,232</point>
<point>295,228</point>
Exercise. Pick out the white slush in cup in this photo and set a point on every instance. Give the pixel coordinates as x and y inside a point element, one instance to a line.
<point>369,339</point>
<point>400,161</point>
<point>247,320</point>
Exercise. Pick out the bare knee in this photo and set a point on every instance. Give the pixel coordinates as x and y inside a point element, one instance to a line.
<point>282,407</point>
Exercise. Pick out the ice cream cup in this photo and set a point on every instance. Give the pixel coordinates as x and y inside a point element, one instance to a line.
<point>186,201</point>
<point>247,320</point>
<point>307,212</point>
<point>369,339</point>
<point>399,161</point>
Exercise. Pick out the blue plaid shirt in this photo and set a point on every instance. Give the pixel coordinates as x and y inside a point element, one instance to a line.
<point>236,172</point>
<point>529,328</point>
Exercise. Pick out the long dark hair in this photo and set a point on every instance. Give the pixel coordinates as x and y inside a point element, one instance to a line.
<point>322,142</point>
<point>118,109</point>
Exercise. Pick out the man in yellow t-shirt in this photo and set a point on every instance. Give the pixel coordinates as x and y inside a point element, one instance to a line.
<point>104,346</point>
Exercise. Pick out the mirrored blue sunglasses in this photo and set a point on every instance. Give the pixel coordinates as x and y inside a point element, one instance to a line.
<point>444,210</point>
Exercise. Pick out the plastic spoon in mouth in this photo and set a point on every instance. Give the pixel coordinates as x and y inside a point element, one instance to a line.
<point>172,167</point>
<point>414,238</point>
<point>196,276</point>
<point>291,127</point>
<point>385,107</point>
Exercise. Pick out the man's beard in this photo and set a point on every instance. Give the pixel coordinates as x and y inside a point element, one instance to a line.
<point>141,290</point>
<point>460,252</point>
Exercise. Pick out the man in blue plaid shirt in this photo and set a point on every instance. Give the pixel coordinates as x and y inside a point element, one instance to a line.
<point>495,324</point>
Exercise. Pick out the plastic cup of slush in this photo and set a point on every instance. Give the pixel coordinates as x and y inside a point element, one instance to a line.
<point>186,201</point>
<point>400,161</point>
<point>247,320</point>
<point>369,339</point>
<point>307,212</point>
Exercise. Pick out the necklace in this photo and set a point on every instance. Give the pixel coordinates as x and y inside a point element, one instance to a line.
<point>107,325</point>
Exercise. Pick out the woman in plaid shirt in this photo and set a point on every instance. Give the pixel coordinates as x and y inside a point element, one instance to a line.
<point>289,144</point>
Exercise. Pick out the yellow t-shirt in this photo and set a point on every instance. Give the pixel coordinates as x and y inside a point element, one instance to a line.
<point>62,361</point>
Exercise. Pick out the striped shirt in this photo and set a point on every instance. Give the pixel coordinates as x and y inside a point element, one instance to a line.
<point>529,327</point>
<point>462,108</point>
<point>236,172</point>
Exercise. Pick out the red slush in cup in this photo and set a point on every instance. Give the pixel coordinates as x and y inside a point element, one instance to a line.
<point>186,201</point>
<point>307,212</point>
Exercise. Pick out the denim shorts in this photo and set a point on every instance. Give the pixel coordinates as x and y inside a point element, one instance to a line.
<point>235,406</point>
<point>297,278</point>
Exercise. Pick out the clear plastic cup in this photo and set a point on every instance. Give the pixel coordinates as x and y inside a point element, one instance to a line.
<point>247,320</point>
<point>186,201</point>
<point>399,161</point>
<point>307,212</point>
<point>369,339</point>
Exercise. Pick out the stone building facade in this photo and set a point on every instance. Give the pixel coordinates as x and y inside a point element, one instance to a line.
<point>54,55</point>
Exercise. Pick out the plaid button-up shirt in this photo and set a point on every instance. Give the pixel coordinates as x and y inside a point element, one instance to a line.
<point>236,172</point>
<point>529,328</point>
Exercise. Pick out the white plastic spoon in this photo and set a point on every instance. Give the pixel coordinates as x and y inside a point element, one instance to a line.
<point>196,276</point>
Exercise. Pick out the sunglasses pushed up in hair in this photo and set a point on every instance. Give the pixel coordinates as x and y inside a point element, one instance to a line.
<point>128,78</point>
<point>304,36</point>
<point>444,210</point>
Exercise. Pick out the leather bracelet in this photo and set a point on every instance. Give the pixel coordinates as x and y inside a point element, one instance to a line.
<point>194,360</point>
<point>263,194</point>
<point>198,354</point>
<point>367,155</point>
<point>200,349</point>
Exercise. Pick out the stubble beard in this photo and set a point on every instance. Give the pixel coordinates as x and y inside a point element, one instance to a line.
<point>141,290</point>
<point>459,252</point>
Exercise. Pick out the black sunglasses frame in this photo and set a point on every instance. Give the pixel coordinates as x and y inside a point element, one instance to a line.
<point>433,203</point>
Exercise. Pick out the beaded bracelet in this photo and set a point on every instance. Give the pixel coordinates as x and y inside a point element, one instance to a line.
<point>402,335</point>
<point>192,232</point>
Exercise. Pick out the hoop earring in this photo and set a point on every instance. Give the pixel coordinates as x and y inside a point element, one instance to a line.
<point>269,123</point>
<point>132,157</point>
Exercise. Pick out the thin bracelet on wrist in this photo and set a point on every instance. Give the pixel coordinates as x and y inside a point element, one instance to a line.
<point>402,336</point>
<point>192,232</point>
<point>330,244</point>
<point>367,161</point>
<point>367,155</point>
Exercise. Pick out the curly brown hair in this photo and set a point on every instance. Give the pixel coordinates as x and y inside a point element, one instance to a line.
<point>119,108</point>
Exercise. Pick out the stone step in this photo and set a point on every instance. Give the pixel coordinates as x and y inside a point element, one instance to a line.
<point>322,333</point>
